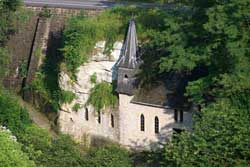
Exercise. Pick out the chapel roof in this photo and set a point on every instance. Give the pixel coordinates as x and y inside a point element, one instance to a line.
<point>129,58</point>
<point>166,94</point>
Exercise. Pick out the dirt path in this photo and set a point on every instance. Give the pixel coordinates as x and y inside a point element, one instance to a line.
<point>38,118</point>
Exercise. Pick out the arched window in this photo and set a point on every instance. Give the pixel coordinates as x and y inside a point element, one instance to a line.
<point>175,115</point>
<point>156,125</point>
<point>112,121</point>
<point>142,123</point>
<point>99,117</point>
<point>86,114</point>
<point>181,115</point>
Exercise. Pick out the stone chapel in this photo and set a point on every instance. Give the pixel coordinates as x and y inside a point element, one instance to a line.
<point>144,118</point>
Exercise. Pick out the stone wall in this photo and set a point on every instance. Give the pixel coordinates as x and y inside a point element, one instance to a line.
<point>66,12</point>
<point>126,130</point>
<point>19,46</point>
<point>74,123</point>
<point>130,132</point>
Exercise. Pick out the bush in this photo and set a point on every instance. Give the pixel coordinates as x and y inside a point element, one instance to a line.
<point>64,152</point>
<point>11,154</point>
<point>93,78</point>
<point>102,96</point>
<point>12,115</point>
<point>67,96</point>
<point>76,107</point>
<point>4,63</point>
<point>45,12</point>
<point>108,156</point>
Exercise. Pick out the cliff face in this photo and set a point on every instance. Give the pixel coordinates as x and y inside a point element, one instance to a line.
<point>102,66</point>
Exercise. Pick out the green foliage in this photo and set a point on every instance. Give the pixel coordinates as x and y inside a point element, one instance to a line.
<point>12,115</point>
<point>4,62</point>
<point>82,33</point>
<point>23,69</point>
<point>67,96</point>
<point>107,156</point>
<point>147,1</point>
<point>49,152</point>
<point>108,96</point>
<point>10,17</point>
<point>46,83</point>
<point>63,152</point>
<point>11,153</point>
<point>93,78</point>
<point>214,37</point>
<point>38,52</point>
<point>45,12</point>
<point>220,138</point>
<point>77,107</point>
<point>36,137</point>
<point>11,5</point>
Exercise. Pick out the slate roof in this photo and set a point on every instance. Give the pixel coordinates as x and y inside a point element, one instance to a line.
<point>129,58</point>
<point>166,94</point>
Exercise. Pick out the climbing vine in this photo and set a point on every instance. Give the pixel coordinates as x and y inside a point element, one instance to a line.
<point>102,96</point>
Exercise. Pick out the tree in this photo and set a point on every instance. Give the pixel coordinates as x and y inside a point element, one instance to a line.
<point>11,153</point>
<point>214,36</point>
<point>64,152</point>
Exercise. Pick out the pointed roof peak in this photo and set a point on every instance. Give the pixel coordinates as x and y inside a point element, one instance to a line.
<point>129,57</point>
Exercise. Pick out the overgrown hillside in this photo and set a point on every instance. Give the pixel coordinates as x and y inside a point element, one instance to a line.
<point>209,43</point>
<point>22,143</point>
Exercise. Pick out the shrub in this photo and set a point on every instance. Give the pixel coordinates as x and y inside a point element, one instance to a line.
<point>23,69</point>
<point>108,156</point>
<point>45,12</point>
<point>67,96</point>
<point>102,96</point>
<point>93,78</point>
<point>64,152</point>
<point>11,153</point>
<point>12,115</point>
<point>76,107</point>
<point>4,62</point>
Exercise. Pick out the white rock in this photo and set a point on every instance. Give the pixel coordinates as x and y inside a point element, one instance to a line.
<point>100,44</point>
<point>103,68</point>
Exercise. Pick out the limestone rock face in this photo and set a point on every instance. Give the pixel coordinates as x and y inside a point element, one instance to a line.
<point>100,64</point>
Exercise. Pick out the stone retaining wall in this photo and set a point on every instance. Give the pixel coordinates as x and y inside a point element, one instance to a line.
<point>66,12</point>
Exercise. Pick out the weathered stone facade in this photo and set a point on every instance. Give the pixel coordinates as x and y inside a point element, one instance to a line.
<point>130,130</point>
<point>126,119</point>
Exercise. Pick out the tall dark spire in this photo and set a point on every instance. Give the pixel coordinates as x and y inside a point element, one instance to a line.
<point>129,57</point>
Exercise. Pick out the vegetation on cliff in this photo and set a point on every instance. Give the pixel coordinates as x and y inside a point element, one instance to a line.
<point>29,145</point>
<point>103,96</point>
<point>11,153</point>
<point>81,33</point>
<point>209,42</point>
<point>214,38</point>
<point>36,144</point>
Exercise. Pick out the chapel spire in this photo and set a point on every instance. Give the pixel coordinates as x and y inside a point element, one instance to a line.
<point>129,58</point>
<point>128,63</point>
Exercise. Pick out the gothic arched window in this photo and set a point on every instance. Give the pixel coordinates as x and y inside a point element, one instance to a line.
<point>175,115</point>
<point>99,117</point>
<point>112,121</point>
<point>86,114</point>
<point>156,125</point>
<point>142,123</point>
